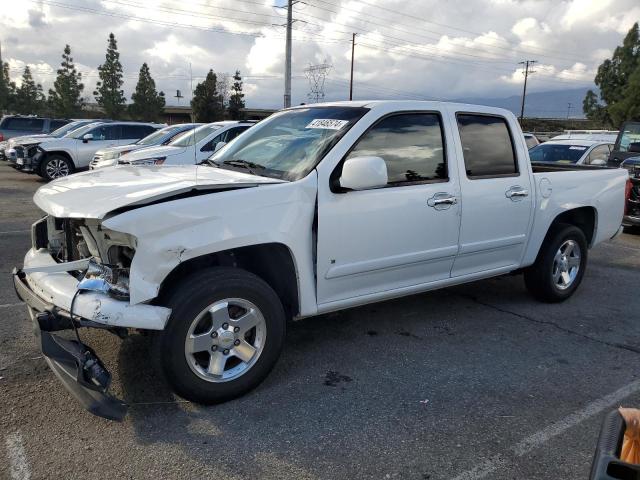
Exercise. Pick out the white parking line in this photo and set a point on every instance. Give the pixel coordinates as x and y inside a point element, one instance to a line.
<point>15,231</point>
<point>18,465</point>
<point>543,436</point>
<point>11,305</point>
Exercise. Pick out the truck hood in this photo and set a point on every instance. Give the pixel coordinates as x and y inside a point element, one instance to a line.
<point>96,193</point>
<point>152,152</point>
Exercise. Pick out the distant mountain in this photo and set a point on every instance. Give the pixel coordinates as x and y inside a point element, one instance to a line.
<point>553,104</point>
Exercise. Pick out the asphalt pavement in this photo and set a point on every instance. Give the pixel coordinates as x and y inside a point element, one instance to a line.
<point>476,381</point>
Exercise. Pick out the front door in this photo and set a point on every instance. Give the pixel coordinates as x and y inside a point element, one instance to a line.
<point>496,196</point>
<point>405,234</point>
<point>104,136</point>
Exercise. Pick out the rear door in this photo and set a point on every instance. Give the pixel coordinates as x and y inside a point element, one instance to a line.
<point>497,194</point>
<point>399,236</point>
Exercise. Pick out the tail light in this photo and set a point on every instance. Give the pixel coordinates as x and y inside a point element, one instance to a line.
<point>627,195</point>
<point>1,137</point>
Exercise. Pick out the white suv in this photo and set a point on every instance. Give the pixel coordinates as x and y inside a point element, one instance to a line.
<point>61,157</point>
<point>191,147</point>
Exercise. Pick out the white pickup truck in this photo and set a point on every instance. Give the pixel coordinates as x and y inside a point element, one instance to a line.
<point>316,209</point>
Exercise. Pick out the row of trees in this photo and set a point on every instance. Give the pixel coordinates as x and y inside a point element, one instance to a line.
<point>618,79</point>
<point>65,99</point>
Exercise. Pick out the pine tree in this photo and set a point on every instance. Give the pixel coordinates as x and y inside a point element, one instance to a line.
<point>147,104</point>
<point>108,91</point>
<point>7,89</point>
<point>236,100</point>
<point>29,97</point>
<point>65,99</point>
<point>207,102</point>
<point>613,78</point>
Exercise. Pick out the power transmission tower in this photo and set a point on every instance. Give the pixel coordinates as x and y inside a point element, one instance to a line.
<point>353,46</point>
<point>317,74</point>
<point>527,71</point>
<point>287,63</point>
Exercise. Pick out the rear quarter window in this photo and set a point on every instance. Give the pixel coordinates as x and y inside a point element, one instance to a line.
<point>487,146</point>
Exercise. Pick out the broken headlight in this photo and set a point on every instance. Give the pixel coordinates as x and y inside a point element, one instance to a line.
<point>109,279</point>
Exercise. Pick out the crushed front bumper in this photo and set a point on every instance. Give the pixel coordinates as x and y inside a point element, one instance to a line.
<point>74,363</point>
<point>49,294</point>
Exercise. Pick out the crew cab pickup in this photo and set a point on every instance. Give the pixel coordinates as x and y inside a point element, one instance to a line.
<point>315,209</point>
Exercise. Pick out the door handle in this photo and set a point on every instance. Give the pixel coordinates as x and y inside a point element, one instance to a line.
<point>516,193</point>
<point>442,201</point>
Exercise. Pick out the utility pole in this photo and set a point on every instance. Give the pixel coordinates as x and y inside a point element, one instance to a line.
<point>527,72</point>
<point>287,63</point>
<point>568,110</point>
<point>353,46</point>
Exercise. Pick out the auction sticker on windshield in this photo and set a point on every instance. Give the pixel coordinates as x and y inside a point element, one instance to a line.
<point>327,123</point>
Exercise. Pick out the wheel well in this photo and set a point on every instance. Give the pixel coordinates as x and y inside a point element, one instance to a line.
<point>584,218</point>
<point>60,153</point>
<point>272,262</point>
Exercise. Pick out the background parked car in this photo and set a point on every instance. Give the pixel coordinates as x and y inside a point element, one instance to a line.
<point>577,152</point>
<point>627,144</point>
<point>631,220</point>
<point>63,156</point>
<point>190,147</point>
<point>18,125</point>
<point>16,145</point>
<point>531,140</point>
<point>109,156</point>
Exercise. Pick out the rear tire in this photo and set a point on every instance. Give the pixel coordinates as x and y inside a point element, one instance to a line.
<point>560,265</point>
<point>55,166</point>
<point>225,334</point>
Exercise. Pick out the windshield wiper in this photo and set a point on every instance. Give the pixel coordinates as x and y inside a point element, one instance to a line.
<point>250,166</point>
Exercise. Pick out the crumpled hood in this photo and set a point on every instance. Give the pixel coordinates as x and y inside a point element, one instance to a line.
<point>152,152</point>
<point>95,193</point>
<point>29,140</point>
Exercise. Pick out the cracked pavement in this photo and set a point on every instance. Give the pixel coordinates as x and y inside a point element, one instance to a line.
<point>475,381</point>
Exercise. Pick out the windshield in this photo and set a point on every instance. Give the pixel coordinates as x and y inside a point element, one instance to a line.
<point>194,136</point>
<point>553,152</point>
<point>79,132</point>
<point>288,145</point>
<point>63,130</point>
<point>156,136</point>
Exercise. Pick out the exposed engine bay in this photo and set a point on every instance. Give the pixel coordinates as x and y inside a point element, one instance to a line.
<point>109,253</point>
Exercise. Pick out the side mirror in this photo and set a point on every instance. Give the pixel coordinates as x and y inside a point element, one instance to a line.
<point>218,146</point>
<point>363,173</point>
<point>87,137</point>
<point>634,147</point>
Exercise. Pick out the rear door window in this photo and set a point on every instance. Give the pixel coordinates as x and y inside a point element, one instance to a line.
<point>136,132</point>
<point>56,124</point>
<point>487,146</point>
<point>24,124</point>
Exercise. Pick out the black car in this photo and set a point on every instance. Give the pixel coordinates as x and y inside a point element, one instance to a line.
<point>632,208</point>
<point>627,144</point>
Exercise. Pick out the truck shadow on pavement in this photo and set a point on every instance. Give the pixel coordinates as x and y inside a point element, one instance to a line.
<point>388,381</point>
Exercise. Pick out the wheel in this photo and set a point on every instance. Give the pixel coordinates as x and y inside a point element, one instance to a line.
<point>55,166</point>
<point>224,335</point>
<point>560,265</point>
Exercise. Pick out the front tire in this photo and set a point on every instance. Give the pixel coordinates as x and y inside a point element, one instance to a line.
<point>55,166</point>
<point>560,265</point>
<point>225,334</point>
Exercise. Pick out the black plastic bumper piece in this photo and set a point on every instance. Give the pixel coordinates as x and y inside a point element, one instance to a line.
<point>606,462</point>
<point>75,364</point>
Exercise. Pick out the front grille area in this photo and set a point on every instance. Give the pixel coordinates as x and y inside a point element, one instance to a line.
<point>633,204</point>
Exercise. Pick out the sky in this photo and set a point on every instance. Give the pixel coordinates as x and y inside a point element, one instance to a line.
<point>404,49</point>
